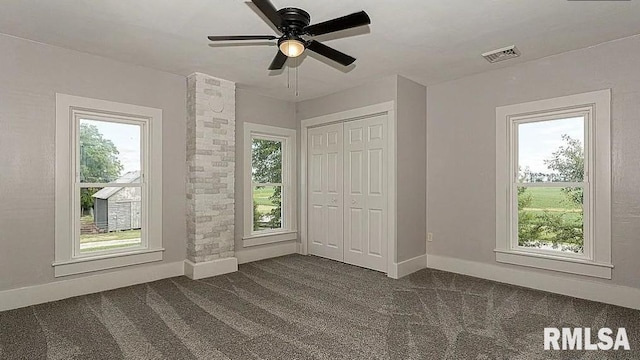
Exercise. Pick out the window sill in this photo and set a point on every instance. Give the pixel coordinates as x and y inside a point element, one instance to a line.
<point>554,263</point>
<point>269,238</point>
<point>103,262</point>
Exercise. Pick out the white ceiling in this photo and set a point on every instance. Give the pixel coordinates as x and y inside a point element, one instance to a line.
<point>427,41</point>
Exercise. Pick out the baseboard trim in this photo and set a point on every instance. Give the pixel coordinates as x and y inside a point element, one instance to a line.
<point>407,267</point>
<point>261,252</point>
<point>584,289</point>
<point>62,289</point>
<point>211,268</point>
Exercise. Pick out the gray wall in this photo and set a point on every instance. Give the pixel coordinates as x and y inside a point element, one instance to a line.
<point>379,91</point>
<point>30,75</point>
<point>410,99</point>
<point>461,147</point>
<point>257,109</point>
<point>412,168</point>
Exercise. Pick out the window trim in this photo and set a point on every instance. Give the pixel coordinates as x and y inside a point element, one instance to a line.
<point>596,107</point>
<point>288,231</point>
<point>69,110</point>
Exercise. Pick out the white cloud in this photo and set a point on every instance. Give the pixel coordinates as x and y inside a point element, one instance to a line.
<point>537,141</point>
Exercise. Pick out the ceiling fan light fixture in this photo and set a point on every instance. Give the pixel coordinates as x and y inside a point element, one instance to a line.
<point>292,47</point>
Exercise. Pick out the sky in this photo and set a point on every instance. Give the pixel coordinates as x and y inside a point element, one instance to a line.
<point>538,140</point>
<point>126,138</point>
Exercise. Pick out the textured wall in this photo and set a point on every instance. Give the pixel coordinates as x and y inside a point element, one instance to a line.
<point>257,109</point>
<point>461,148</point>
<point>30,75</point>
<point>211,160</point>
<point>375,92</point>
<point>412,169</point>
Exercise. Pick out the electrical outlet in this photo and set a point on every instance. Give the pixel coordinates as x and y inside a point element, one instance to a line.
<point>430,237</point>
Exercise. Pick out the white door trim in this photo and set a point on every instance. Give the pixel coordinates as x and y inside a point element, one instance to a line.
<point>344,116</point>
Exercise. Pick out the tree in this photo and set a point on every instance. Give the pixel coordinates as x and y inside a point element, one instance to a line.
<point>99,162</point>
<point>266,164</point>
<point>568,162</point>
<point>529,230</point>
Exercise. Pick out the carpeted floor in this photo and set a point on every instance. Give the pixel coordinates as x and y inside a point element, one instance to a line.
<point>298,307</point>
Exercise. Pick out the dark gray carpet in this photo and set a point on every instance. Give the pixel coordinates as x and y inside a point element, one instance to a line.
<point>297,307</point>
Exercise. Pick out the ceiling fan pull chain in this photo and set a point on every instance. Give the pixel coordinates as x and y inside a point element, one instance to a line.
<point>296,77</point>
<point>288,71</point>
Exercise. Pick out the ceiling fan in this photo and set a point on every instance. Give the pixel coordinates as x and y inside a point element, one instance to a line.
<point>293,23</point>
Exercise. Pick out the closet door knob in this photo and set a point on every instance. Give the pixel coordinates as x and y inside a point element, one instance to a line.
<point>334,200</point>
<point>353,202</point>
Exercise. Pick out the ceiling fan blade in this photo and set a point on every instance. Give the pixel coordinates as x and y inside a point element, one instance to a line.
<point>278,61</point>
<point>342,23</point>
<point>241,37</point>
<point>270,11</point>
<point>330,53</point>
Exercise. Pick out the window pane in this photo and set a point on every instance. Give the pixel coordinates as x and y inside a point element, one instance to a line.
<point>551,218</point>
<point>110,218</point>
<point>267,207</point>
<point>266,161</point>
<point>109,152</point>
<point>551,151</point>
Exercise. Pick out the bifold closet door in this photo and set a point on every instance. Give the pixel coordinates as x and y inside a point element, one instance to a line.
<point>365,193</point>
<point>325,195</point>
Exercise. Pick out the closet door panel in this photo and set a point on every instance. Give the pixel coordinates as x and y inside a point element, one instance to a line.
<point>355,172</point>
<point>325,198</point>
<point>375,232</point>
<point>333,181</point>
<point>334,228</point>
<point>377,193</point>
<point>315,227</point>
<point>355,235</point>
<point>355,185</point>
<point>366,165</point>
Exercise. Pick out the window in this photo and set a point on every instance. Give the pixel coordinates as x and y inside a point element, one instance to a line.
<point>548,191</point>
<point>553,184</point>
<point>269,194</point>
<point>108,185</point>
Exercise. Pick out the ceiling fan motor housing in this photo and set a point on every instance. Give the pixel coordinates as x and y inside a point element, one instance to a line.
<point>294,20</point>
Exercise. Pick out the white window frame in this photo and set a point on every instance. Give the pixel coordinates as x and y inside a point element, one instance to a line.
<point>595,107</point>
<point>288,231</point>
<point>68,258</point>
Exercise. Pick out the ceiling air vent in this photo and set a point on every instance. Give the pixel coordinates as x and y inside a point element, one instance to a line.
<point>506,53</point>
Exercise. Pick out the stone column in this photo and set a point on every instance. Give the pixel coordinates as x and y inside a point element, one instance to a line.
<point>211,115</point>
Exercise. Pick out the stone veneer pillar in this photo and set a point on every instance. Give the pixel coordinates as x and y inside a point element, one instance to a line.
<point>211,115</point>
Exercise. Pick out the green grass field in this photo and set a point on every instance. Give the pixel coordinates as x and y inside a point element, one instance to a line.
<point>261,197</point>
<point>550,198</point>
<point>115,235</point>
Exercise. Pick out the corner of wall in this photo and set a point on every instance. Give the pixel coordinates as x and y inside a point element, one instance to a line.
<point>412,173</point>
